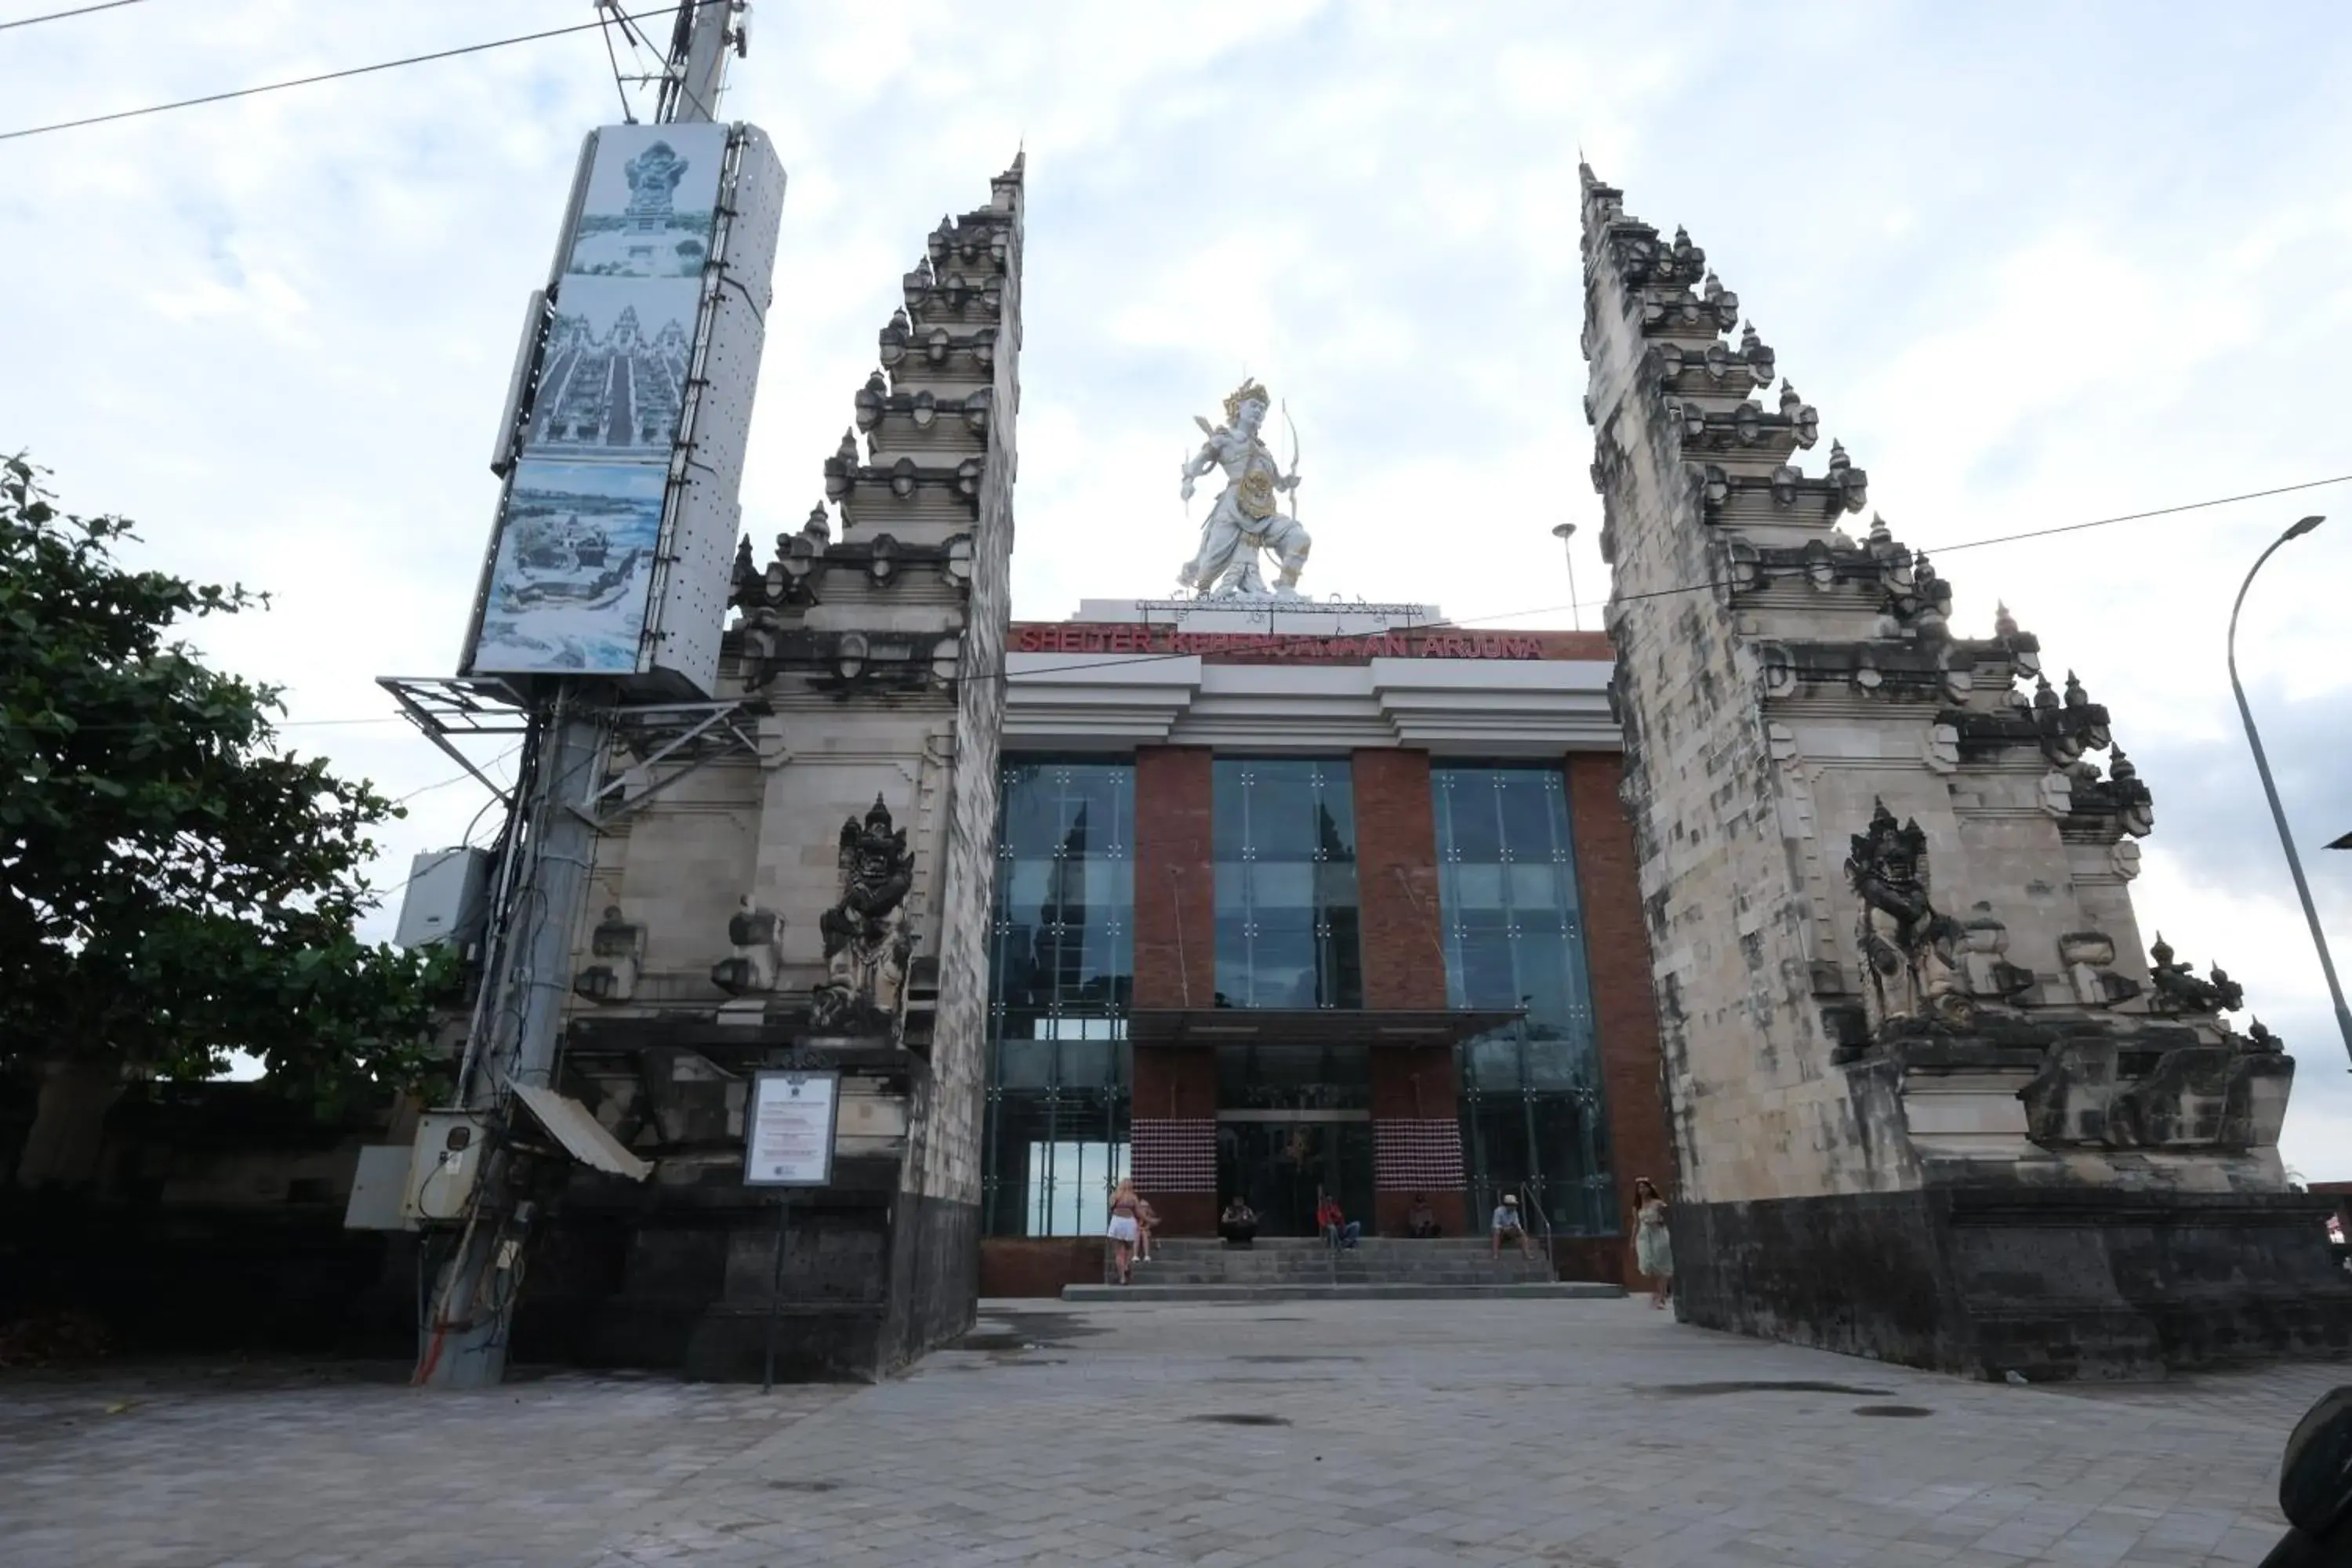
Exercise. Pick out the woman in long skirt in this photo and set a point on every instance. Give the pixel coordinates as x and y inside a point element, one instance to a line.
<point>1654,1252</point>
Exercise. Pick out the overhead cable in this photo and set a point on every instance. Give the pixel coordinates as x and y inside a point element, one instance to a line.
<point>322,76</point>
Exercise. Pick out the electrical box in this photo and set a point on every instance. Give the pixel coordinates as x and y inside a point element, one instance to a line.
<point>380,1189</point>
<point>443,1167</point>
<point>447,898</point>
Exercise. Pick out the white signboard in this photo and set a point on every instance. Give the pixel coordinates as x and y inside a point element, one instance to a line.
<point>788,1129</point>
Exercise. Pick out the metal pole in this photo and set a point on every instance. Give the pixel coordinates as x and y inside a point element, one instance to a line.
<point>2270,789</point>
<point>1566,534</point>
<point>776,1291</point>
<point>466,1346</point>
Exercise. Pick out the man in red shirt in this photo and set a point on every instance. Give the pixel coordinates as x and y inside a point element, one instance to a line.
<point>1337,1229</point>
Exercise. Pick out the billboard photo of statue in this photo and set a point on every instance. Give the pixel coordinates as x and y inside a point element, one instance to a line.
<point>569,589</point>
<point>652,196</point>
<point>612,377</point>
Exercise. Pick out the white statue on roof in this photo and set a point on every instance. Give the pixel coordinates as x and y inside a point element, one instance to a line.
<point>1246,517</point>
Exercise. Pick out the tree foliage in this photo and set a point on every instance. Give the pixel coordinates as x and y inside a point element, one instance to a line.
<point>173,885</point>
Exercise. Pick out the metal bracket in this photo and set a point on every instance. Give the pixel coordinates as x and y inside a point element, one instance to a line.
<point>443,706</point>
<point>689,734</point>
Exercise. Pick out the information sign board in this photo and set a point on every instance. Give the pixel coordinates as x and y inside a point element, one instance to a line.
<point>788,1129</point>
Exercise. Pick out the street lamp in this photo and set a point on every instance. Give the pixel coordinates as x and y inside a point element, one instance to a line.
<point>2278,813</point>
<point>1566,534</point>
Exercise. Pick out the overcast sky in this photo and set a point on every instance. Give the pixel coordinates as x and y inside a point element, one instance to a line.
<point>2035,265</point>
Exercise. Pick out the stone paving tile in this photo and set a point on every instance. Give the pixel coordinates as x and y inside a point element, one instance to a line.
<point>1360,1435</point>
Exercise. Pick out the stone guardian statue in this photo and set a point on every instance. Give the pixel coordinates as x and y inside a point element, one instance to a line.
<point>1246,517</point>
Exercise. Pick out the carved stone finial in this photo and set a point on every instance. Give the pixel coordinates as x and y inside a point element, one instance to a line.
<point>2004,624</point>
<point>2176,991</point>
<point>1711,289</point>
<point>2075,696</point>
<point>2043,696</point>
<point>1880,541</point>
<point>847,450</point>
<point>2120,766</point>
<point>2264,1040</point>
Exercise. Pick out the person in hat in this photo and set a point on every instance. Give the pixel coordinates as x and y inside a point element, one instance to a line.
<point>1508,1226</point>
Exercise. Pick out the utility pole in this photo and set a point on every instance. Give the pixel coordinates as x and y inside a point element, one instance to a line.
<point>519,1023</point>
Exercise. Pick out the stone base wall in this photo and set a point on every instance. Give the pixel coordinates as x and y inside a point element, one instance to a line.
<point>2051,1284</point>
<point>1039,1267</point>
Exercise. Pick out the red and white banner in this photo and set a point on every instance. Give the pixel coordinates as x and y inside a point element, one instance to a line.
<point>1177,1156</point>
<point>1417,1155</point>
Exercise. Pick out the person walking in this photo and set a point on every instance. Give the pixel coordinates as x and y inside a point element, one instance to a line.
<point>1126,1228</point>
<point>1654,1252</point>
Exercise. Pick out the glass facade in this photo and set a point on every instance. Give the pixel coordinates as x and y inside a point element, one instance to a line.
<point>1531,1106</point>
<point>1285,856</point>
<point>1061,976</point>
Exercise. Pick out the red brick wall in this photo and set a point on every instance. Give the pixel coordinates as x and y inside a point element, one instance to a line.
<point>1039,1266</point>
<point>1617,952</point>
<point>1405,964</point>
<point>1175,949</point>
<point>1175,879</point>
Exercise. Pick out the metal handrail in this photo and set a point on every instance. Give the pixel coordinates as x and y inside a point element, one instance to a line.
<point>1527,1196</point>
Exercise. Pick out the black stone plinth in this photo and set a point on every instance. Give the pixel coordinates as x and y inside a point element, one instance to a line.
<point>2052,1283</point>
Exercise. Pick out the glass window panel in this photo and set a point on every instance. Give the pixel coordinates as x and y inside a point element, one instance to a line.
<point>1476,828</point>
<point>1472,887</point>
<point>1528,802</point>
<point>1024,1064</point>
<point>1513,937</point>
<point>1061,976</point>
<point>1539,888</point>
<point>1284,834</point>
<point>1284,885</point>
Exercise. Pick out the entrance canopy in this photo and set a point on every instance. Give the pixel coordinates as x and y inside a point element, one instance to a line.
<point>1314,1026</point>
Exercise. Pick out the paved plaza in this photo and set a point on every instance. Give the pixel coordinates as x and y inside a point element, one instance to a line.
<point>1587,1434</point>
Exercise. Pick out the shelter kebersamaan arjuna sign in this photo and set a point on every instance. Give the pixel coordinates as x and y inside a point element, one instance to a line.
<point>1434,642</point>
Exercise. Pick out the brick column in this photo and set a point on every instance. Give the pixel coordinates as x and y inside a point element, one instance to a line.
<point>1416,1124</point>
<point>1617,955</point>
<point>1175,1106</point>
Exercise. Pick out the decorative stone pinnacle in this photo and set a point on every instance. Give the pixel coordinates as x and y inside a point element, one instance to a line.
<point>1838,460</point>
<point>2120,766</point>
<point>1712,287</point>
<point>2075,696</point>
<point>847,450</point>
<point>2043,696</point>
<point>1749,340</point>
<point>2004,624</point>
<point>1790,401</point>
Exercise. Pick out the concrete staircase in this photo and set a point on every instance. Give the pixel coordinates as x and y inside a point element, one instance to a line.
<point>1281,1268</point>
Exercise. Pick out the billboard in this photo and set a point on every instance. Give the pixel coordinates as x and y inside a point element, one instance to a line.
<point>574,566</point>
<point>590,539</point>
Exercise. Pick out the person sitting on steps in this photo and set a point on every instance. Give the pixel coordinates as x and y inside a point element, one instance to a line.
<point>1507,1226</point>
<point>1339,1230</point>
<point>1421,1224</point>
<point>1238,1224</point>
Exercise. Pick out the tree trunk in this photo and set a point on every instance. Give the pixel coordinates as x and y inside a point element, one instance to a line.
<point>68,1124</point>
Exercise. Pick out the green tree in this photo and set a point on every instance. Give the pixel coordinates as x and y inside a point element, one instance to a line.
<point>173,885</point>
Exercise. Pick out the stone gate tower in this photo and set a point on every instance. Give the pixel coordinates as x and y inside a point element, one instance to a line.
<point>1933,1099</point>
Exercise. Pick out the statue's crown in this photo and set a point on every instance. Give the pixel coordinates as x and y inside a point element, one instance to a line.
<point>1243,394</point>
<point>1887,836</point>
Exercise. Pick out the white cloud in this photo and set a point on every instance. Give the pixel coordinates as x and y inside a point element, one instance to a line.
<point>2032,271</point>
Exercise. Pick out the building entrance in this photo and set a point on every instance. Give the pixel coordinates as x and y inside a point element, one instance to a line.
<point>1283,1162</point>
<point>1294,1123</point>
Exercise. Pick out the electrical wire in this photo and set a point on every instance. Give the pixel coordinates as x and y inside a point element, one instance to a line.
<point>61,15</point>
<point>322,76</point>
<point>1271,643</point>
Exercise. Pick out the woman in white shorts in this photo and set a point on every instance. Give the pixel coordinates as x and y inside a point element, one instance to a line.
<point>1125,1211</point>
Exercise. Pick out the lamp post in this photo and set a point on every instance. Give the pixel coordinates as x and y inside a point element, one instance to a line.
<point>2270,790</point>
<point>1566,534</point>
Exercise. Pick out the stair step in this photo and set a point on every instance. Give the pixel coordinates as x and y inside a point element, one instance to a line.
<point>1549,1290</point>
